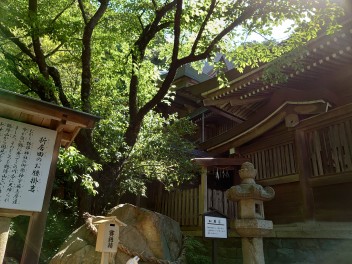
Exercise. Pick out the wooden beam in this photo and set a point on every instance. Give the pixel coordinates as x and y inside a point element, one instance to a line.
<point>24,104</point>
<point>250,100</point>
<point>217,102</point>
<point>233,100</point>
<point>279,180</point>
<point>5,223</point>
<point>304,175</point>
<point>321,230</point>
<point>336,115</point>
<point>226,114</point>
<point>14,213</point>
<point>336,178</point>
<point>203,190</point>
<point>268,116</point>
<point>207,162</point>
<point>36,227</point>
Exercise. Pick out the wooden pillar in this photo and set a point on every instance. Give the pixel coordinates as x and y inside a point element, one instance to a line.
<point>203,192</point>
<point>4,234</point>
<point>303,161</point>
<point>36,226</point>
<point>203,128</point>
<point>214,253</point>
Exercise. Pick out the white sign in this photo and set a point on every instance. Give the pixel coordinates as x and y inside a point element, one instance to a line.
<point>108,237</point>
<point>25,157</point>
<point>215,227</point>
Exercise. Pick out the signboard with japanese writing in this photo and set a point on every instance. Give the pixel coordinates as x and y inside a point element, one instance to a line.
<point>215,227</point>
<point>108,237</point>
<point>25,158</point>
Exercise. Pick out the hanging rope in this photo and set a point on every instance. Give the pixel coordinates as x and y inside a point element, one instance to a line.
<point>93,230</point>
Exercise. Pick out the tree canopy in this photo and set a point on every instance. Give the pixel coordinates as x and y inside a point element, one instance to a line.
<point>118,58</point>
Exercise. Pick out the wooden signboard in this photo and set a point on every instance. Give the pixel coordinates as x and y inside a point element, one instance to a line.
<point>25,157</point>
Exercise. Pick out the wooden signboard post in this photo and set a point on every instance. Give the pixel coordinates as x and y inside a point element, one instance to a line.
<point>31,133</point>
<point>26,152</point>
<point>215,226</point>
<point>108,237</point>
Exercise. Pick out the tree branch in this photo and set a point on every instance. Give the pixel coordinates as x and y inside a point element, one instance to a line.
<point>150,31</point>
<point>177,31</point>
<point>247,13</point>
<point>202,27</point>
<point>175,64</point>
<point>140,20</point>
<point>15,40</point>
<point>84,15</point>
<point>14,71</point>
<point>39,54</point>
<point>155,4</point>
<point>55,75</point>
<point>32,83</point>
<point>86,55</point>
<point>137,57</point>
<point>60,13</point>
<point>54,50</point>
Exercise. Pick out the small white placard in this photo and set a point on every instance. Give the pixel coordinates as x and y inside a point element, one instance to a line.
<point>108,237</point>
<point>25,158</point>
<point>215,227</point>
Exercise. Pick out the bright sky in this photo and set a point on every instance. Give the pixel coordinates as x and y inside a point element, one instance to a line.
<point>278,33</point>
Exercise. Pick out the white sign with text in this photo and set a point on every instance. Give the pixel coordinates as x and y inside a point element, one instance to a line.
<point>215,227</point>
<point>25,157</point>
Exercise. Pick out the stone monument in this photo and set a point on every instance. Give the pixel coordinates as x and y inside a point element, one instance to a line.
<point>251,225</point>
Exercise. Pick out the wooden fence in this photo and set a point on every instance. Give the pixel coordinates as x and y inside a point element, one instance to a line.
<point>217,200</point>
<point>274,161</point>
<point>183,205</point>
<point>330,148</point>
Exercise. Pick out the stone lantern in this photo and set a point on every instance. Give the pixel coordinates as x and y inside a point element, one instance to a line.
<point>251,225</point>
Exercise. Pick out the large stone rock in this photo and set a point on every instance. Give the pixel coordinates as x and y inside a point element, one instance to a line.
<point>148,234</point>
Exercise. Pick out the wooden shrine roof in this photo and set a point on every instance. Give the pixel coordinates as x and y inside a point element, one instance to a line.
<point>39,113</point>
<point>248,92</point>
<point>321,83</point>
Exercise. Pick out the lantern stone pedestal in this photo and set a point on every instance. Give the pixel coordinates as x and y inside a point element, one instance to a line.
<point>251,225</point>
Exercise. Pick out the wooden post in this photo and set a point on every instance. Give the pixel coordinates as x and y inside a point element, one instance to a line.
<point>203,128</point>
<point>104,258</point>
<point>36,226</point>
<point>214,252</point>
<point>4,234</point>
<point>304,174</point>
<point>203,189</point>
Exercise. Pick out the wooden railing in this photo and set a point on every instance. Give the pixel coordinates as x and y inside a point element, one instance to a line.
<point>274,161</point>
<point>330,148</point>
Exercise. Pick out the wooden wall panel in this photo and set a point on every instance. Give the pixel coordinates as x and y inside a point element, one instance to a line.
<point>277,136</point>
<point>286,207</point>
<point>330,148</point>
<point>333,202</point>
<point>273,154</point>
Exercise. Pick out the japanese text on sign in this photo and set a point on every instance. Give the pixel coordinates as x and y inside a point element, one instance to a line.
<point>25,158</point>
<point>215,227</point>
